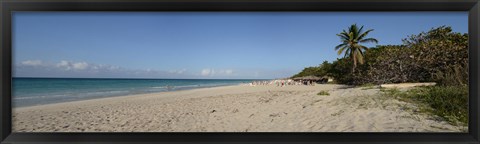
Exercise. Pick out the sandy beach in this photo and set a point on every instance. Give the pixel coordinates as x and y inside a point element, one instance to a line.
<point>238,108</point>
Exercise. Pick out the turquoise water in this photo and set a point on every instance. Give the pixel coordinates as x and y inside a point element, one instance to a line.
<point>38,91</point>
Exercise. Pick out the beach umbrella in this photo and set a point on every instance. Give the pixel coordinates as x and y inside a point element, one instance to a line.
<point>298,78</point>
<point>307,78</point>
<point>313,78</point>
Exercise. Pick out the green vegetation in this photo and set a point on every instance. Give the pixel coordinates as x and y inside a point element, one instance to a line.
<point>390,91</point>
<point>448,102</point>
<point>367,86</point>
<point>351,44</point>
<point>322,70</point>
<point>323,93</point>
<point>439,55</point>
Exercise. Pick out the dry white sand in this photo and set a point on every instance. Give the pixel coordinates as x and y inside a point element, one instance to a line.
<point>234,109</point>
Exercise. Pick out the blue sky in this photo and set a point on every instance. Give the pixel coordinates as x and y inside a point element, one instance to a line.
<point>227,45</point>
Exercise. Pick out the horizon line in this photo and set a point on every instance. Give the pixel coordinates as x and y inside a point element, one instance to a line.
<point>146,78</point>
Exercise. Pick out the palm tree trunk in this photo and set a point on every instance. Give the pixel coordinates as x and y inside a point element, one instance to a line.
<point>354,63</point>
<point>354,67</point>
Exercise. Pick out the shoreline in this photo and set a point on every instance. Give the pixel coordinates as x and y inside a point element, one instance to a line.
<point>121,96</point>
<point>146,93</point>
<point>237,108</point>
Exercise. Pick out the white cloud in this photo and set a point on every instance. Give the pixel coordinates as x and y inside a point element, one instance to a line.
<point>64,65</point>
<point>115,67</point>
<point>213,72</point>
<point>207,72</point>
<point>80,65</point>
<point>67,68</point>
<point>178,71</point>
<point>68,65</point>
<point>228,72</point>
<point>32,62</point>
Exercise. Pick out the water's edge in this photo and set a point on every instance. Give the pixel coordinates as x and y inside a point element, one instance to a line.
<point>41,91</point>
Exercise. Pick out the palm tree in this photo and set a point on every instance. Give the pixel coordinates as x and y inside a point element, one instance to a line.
<point>351,44</point>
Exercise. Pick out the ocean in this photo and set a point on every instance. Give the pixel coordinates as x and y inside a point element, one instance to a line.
<point>39,91</point>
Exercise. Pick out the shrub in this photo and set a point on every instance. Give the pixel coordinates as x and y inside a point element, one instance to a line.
<point>341,71</point>
<point>323,93</point>
<point>319,71</point>
<point>438,55</point>
<point>449,102</point>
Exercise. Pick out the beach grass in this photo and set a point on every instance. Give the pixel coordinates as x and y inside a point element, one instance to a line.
<point>323,93</point>
<point>332,82</point>
<point>448,102</point>
<point>367,86</point>
<point>390,91</point>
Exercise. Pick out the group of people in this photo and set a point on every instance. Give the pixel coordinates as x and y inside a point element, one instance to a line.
<point>254,83</point>
<point>282,83</point>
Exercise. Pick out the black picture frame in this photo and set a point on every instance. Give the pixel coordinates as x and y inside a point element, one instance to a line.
<point>9,6</point>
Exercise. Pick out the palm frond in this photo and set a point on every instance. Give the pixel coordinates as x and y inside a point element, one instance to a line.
<point>351,39</point>
<point>347,53</point>
<point>363,47</point>
<point>359,56</point>
<point>372,40</point>
<point>340,51</point>
<point>343,36</point>
<point>360,49</point>
<point>360,30</point>
<point>350,36</point>
<point>340,45</point>
<point>354,31</point>
<point>364,34</point>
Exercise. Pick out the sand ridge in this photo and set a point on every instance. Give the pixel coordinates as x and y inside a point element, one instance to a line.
<point>238,108</point>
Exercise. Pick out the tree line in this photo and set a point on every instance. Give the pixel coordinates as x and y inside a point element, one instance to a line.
<point>439,55</point>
